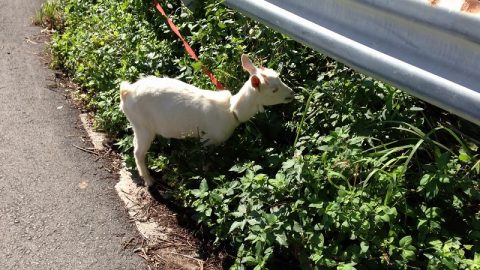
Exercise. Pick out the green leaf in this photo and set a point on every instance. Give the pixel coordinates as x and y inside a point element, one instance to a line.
<point>288,164</point>
<point>270,218</point>
<point>348,266</point>
<point>204,186</point>
<point>436,244</point>
<point>449,263</point>
<point>422,223</point>
<point>316,257</point>
<point>425,179</point>
<point>281,239</point>
<point>408,254</point>
<point>249,260</point>
<point>405,241</point>
<point>208,212</point>
<point>297,228</point>
<point>463,156</point>
<point>235,225</point>
<point>364,247</point>
<point>385,218</point>
<point>242,209</point>
<point>197,66</point>
<point>239,168</point>
<point>197,193</point>
<point>318,205</point>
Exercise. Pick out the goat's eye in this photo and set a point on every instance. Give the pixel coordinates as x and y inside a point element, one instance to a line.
<point>275,90</point>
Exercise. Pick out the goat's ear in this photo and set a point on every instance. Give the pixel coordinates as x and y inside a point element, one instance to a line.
<point>248,65</point>
<point>255,81</point>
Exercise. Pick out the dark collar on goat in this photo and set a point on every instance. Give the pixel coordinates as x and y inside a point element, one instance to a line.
<point>235,116</point>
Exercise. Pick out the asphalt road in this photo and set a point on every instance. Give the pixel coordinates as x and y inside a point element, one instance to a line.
<point>58,207</point>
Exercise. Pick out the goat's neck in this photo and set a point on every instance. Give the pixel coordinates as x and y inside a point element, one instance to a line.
<point>244,104</point>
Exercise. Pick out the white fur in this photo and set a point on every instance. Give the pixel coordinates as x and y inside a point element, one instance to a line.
<point>174,109</point>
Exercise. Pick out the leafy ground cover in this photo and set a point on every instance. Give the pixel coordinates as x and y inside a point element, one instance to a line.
<point>353,174</point>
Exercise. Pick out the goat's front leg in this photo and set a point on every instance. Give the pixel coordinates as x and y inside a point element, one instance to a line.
<point>207,144</point>
<point>209,140</point>
<point>141,142</point>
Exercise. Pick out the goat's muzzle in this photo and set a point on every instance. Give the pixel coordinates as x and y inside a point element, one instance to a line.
<point>289,99</point>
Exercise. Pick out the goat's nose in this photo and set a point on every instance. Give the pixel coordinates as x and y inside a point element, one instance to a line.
<point>290,97</point>
<point>292,93</point>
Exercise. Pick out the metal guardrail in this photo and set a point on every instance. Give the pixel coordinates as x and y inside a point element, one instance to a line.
<point>428,48</point>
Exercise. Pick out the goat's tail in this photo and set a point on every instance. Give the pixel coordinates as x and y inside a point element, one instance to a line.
<point>125,90</point>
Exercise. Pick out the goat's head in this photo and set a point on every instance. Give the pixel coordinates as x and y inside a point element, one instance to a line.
<point>269,87</point>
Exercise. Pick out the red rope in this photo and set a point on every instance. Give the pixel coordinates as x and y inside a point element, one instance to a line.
<point>189,49</point>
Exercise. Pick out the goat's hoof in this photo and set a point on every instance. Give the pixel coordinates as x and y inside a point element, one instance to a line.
<point>155,193</point>
<point>138,180</point>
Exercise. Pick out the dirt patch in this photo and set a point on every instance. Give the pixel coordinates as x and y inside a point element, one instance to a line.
<point>167,244</point>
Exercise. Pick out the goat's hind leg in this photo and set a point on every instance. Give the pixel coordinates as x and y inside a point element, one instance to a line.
<point>141,142</point>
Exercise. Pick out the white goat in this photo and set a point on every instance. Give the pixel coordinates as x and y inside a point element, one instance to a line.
<point>174,109</point>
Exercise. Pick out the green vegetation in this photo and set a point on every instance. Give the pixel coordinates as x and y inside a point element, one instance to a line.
<point>354,174</point>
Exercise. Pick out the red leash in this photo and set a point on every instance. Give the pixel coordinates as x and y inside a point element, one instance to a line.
<point>187,46</point>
